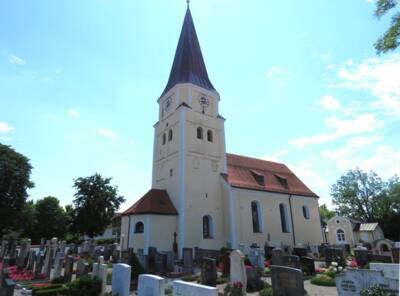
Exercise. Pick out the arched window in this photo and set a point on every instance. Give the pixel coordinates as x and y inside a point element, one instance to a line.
<point>207,227</point>
<point>170,135</point>
<point>139,227</point>
<point>164,138</point>
<point>209,136</point>
<point>340,235</point>
<point>199,133</point>
<point>306,212</point>
<point>256,216</point>
<point>284,218</point>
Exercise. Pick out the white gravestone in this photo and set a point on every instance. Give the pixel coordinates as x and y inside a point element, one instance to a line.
<point>390,270</point>
<point>121,279</point>
<point>354,280</point>
<point>151,285</point>
<point>102,275</point>
<point>238,270</point>
<point>181,288</point>
<point>95,270</point>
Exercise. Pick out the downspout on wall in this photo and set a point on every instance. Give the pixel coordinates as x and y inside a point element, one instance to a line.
<point>291,219</point>
<point>129,231</point>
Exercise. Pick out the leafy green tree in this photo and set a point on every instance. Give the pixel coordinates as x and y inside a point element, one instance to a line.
<point>95,204</point>
<point>325,214</point>
<point>51,219</point>
<point>15,171</point>
<point>28,221</point>
<point>391,39</point>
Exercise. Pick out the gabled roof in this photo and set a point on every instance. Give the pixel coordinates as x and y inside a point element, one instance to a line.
<point>277,176</point>
<point>155,201</point>
<point>188,63</point>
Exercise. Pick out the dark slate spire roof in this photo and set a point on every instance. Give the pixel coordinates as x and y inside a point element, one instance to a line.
<point>188,63</point>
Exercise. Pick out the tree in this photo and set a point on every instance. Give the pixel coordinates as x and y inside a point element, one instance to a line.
<point>15,171</point>
<point>28,221</point>
<point>365,197</point>
<point>391,39</point>
<point>325,214</point>
<point>51,219</point>
<point>95,204</point>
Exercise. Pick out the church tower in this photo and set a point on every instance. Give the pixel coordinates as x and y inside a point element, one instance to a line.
<point>189,146</point>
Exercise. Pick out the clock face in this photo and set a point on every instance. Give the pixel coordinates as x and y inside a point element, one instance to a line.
<point>168,103</point>
<point>204,102</point>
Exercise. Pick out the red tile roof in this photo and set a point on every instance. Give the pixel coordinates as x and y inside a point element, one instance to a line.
<point>155,201</point>
<point>241,171</point>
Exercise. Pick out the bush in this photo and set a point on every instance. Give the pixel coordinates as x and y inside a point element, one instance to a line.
<point>330,273</point>
<point>266,292</point>
<point>374,291</point>
<point>48,290</point>
<point>137,268</point>
<point>52,292</point>
<point>323,280</point>
<point>85,286</point>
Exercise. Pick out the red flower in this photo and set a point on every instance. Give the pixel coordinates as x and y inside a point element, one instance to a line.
<point>267,263</point>
<point>238,285</point>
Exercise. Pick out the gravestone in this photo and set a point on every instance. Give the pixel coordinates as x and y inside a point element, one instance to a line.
<point>363,257</point>
<point>151,259</point>
<point>121,280</point>
<point>390,270</point>
<point>381,258</point>
<point>333,255</point>
<point>226,263</point>
<point>181,288</point>
<point>299,251</point>
<point>277,255</point>
<point>4,246</point>
<point>82,268</point>
<point>353,281</point>
<point>307,265</point>
<point>253,276</point>
<point>322,248</point>
<point>200,253</point>
<point>287,281</point>
<point>396,254</point>
<point>170,260</point>
<point>102,275</point>
<point>209,272</point>
<point>31,260</point>
<point>39,264</point>
<point>9,286</point>
<point>95,270</point>
<point>151,285</point>
<point>257,257</point>
<point>23,253</point>
<point>58,264</point>
<point>245,249</point>
<point>187,254</point>
<point>161,262</point>
<point>238,270</point>
<point>107,252</point>
<point>268,251</point>
<point>291,261</point>
<point>69,266</point>
<point>143,261</point>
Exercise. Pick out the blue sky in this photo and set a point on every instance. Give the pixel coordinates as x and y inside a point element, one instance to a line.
<point>299,82</point>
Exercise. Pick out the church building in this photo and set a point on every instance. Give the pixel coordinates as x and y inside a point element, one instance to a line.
<point>202,196</point>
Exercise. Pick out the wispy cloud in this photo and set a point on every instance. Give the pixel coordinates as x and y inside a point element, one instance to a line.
<point>106,133</point>
<point>13,59</point>
<point>328,102</point>
<point>72,113</point>
<point>339,128</point>
<point>5,127</point>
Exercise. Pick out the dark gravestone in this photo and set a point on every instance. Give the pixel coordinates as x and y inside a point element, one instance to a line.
<point>200,253</point>
<point>287,281</point>
<point>69,267</point>
<point>31,260</point>
<point>333,255</point>
<point>291,261</point>
<point>253,275</point>
<point>161,262</point>
<point>321,249</point>
<point>301,252</point>
<point>226,264</point>
<point>268,252</point>
<point>381,258</point>
<point>39,263</point>
<point>151,259</point>
<point>170,261</point>
<point>276,258</point>
<point>396,255</point>
<point>307,265</point>
<point>209,271</point>
<point>107,252</point>
<point>187,254</point>
<point>363,257</point>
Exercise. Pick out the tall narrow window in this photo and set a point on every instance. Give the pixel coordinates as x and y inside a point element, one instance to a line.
<point>209,136</point>
<point>207,227</point>
<point>284,218</point>
<point>306,212</point>
<point>139,227</point>
<point>255,214</point>
<point>340,235</point>
<point>170,135</point>
<point>164,138</point>
<point>199,133</point>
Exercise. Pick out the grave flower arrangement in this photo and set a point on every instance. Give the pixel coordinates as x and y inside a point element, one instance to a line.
<point>20,275</point>
<point>234,289</point>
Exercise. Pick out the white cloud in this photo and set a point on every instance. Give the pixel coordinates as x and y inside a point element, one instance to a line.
<point>72,113</point>
<point>339,128</point>
<point>328,102</point>
<point>13,59</point>
<point>5,127</point>
<point>275,71</point>
<point>385,161</point>
<point>106,133</point>
<point>377,76</point>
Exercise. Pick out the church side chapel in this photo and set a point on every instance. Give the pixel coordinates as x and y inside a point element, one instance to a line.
<point>202,196</point>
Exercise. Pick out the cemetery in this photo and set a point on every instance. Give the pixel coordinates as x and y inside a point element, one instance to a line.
<point>57,268</point>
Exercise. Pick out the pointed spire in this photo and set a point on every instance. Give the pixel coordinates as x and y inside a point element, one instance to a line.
<point>188,63</point>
